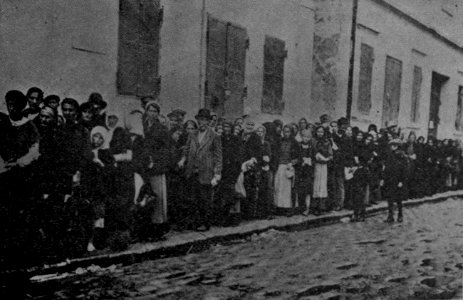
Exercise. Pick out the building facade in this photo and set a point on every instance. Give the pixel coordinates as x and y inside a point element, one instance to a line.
<point>409,66</point>
<point>384,62</point>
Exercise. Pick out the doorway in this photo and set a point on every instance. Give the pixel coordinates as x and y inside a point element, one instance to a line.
<point>438,81</point>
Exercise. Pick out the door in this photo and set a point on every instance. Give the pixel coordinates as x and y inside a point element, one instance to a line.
<point>391,98</point>
<point>225,67</point>
<point>438,81</point>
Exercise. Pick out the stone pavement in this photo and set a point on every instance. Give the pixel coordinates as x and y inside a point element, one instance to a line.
<point>181,243</point>
<point>418,259</point>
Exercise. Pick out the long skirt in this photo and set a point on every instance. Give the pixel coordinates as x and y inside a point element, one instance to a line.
<point>320,184</point>
<point>282,188</point>
<point>159,187</point>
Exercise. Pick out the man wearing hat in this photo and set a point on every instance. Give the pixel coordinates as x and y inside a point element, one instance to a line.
<point>98,105</point>
<point>394,179</point>
<point>203,158</point>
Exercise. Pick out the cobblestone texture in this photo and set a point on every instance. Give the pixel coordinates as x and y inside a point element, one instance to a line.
<point>418,259</point>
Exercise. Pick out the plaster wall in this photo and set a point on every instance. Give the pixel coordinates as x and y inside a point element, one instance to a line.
<point>70,48</point>
<point>391,35</point>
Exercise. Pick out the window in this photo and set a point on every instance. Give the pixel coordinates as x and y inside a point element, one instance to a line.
<point>459,119</point>
<point>416,94</point>
<point>366,70</point>
<point>138,55</point>
<point>274,62</point>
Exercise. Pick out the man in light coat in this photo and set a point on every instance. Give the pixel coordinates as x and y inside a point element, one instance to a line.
<point>202,158</point>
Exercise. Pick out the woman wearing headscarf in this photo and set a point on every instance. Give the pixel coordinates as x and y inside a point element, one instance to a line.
<point>252,156</point>
<point>158,145</point>
<point>264,198</point>
<point>99,184</point>
<point>120,147</point>
<point>232,147</point>
<point>287,156</point>
<point>45,182</point>
<point>410,148</point>
<point>322,155</point>
<point>304,172</point>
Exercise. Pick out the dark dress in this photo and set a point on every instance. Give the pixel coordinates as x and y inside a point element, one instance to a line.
<point>304,174</point>
<point>159,148</point>
<point>232,153</point>
<point>123,192</point>
<point>17,228</point>
<point>252,148</point>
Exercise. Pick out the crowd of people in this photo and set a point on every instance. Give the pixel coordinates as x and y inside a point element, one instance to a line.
<point>75,178</point>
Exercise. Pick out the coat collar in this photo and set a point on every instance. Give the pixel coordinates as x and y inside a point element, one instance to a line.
<point>207,136</point>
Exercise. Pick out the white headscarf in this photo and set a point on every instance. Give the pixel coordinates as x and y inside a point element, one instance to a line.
<point>104,133</point>
<point>118,124</point>
<point>134,123</point>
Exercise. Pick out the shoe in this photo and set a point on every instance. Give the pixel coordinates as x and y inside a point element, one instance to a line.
<point>400,219</point>
<point>305,213</point>
<point>389,220</point>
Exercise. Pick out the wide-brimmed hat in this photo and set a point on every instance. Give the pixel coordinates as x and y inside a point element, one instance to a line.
<point>325,118</point>
<point>204,113</point>
<point>96,98</point>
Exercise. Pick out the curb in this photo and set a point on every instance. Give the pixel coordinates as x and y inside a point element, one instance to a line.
<point>183,244</point>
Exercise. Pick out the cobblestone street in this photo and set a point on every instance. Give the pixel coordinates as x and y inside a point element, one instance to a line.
<point>418,259</point>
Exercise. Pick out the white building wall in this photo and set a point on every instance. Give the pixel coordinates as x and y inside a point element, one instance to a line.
<point>70,48</point>
<point>40,42</point>
<point>399,38</point>
<point>183,58</point>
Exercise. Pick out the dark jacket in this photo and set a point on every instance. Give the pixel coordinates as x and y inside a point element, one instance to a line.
<point>203,158</point>
<point>232,158</point>
<point>158,146</point>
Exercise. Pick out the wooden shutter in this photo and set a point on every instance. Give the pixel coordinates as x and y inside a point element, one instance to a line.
<point>366,70</point>
<point>216,64</point>
<point>416,94</point>
<point>237,40</point>
<point>392,86</point>
<point>459,119</point>
<point>225,67</point>
<point>138,57</point>
<point>274,60</point>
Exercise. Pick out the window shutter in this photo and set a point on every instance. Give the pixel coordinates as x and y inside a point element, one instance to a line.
<point>459,119</point>
<point>237,40</point>
<point>127,75</point>
<point>216,60</point>
<point>150,19</point>
<point>138,57</point>
<point>366,70</point>
<point>274,60</point>
<point>416,94</point>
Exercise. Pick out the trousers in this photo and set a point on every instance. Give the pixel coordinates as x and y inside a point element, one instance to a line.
<point>202,198</point>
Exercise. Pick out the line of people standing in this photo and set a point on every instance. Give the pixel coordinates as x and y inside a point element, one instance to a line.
<point>104,180</point>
